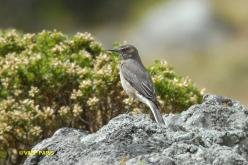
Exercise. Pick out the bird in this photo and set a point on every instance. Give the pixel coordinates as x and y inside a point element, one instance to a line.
<point>135,79</point>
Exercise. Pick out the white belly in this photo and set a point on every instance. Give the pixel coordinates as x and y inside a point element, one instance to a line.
<point>132,92</point>
<point>127,87</point>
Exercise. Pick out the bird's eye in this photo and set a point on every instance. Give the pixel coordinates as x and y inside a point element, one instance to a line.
<point>124,49</point>
<point>129,50</point>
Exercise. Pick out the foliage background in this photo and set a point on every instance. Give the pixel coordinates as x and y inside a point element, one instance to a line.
<point>216,61</point>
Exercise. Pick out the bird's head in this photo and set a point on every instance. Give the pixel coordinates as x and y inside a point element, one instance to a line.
<point>127,52</point>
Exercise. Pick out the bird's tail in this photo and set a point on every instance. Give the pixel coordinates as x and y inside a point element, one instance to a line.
<point>156,112</point>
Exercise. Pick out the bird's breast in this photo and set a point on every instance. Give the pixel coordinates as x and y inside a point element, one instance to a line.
<point>127,86</point>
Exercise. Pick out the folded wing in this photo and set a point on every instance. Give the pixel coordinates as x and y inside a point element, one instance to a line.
<point>139,78</point>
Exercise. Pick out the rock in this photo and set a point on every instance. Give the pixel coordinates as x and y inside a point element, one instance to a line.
<point>64,143</point>
<point>214,132</point>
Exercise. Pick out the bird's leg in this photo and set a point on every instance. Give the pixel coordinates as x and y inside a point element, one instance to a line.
<point>130,106</point>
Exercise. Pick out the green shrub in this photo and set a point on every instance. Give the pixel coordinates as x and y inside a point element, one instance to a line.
<point>49,80</point>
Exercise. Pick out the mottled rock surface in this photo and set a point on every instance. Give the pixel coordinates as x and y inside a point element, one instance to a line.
<point>214,132</point>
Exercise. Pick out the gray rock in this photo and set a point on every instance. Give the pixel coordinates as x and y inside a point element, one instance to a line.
<point>214,132</point>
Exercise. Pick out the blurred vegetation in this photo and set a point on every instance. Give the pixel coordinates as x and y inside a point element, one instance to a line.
<point>112,20</point>
<point>69,15</point>
<point>234,13</point>
<point>49,80</point>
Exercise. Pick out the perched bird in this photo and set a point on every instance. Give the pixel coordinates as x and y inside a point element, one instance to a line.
<point>136,81</point>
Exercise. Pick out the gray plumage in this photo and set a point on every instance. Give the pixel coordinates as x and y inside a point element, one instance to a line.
<point>136,81</point>
<point>137,76</point>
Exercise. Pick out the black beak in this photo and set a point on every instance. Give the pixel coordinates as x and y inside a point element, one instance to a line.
<point>114,50</point>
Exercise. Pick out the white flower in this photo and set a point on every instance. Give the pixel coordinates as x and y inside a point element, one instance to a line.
<point>128,101</point>
<point>35,130</point>
<point>64,110</point>
<point>92,101</point>
<point>203,91</point>
<point>85,84</point>
<point>76,110</point>
<point>75,94</point>
<point>48,111</point>
<point>33,91</point>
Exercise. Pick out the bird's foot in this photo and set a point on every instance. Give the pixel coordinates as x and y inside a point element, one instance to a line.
<point>128,110</point>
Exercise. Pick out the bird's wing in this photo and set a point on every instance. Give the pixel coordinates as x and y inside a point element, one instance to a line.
<point>138,77</point>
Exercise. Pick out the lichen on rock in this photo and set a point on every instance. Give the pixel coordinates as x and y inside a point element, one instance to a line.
<point>214,132</point>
